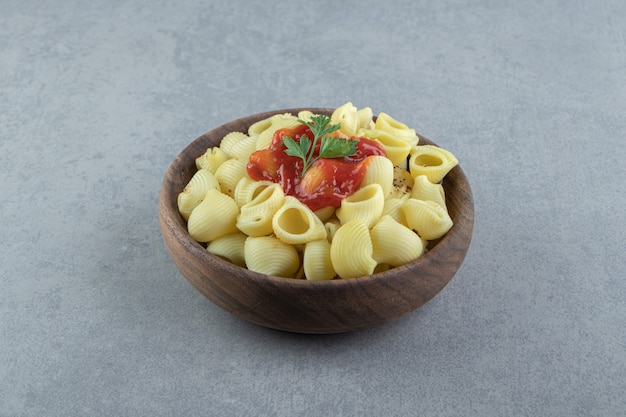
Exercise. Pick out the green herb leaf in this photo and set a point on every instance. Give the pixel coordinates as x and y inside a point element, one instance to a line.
<point>337,147</point>
<point>330,147</point>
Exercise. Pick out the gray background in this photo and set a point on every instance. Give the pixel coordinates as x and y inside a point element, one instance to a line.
<point>97,98</point>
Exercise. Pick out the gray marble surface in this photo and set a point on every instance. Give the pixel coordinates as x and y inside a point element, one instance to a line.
<point>97,98</point>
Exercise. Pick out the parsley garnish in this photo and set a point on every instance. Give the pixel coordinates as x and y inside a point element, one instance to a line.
<point>330,146</point>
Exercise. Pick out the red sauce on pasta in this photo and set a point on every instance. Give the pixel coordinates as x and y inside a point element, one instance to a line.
<point>326,182</point>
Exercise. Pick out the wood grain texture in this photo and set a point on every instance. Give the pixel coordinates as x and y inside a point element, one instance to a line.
<point>311,306</point>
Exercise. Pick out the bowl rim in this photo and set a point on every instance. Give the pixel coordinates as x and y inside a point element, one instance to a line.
<point>171,217</point>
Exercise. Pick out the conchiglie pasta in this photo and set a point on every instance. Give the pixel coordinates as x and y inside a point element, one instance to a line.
<point>366,204</point>
<point>247,189</point>
<point>331,226</point>
<point>238,145</point>
<point>216,216</point>
<point>387,123</point>
<point>365,117</point>
<point>351,250</point>
<point>278,121</point>
<point>394,146</point>
<point>271,256</point>
<point>393,243</point>
<point>379,171</point>
<point>316,261</point>
<point>229,247</point>
<point>423,189</point>
<point>195,190</point>
<point>259,127</point>
<point>325,213</point>
<point>427,218</point>
<point>432,161</point>
<point>347,116</point>
<point>305,115</point>
<point>229,174</point>
<point>295,223</point>
<point>393,208</point>
<point>386,222</point>
<point>255,218</point>
<point>402,183</point>
<point>211,159</point>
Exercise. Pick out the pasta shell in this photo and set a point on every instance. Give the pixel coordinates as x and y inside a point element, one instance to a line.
<point>229,173</point>
<point>432,161</point>
<point>259,127</point>
<point>427,218</point>
<point>270,256</point>
<point>325,213</point>
<point>379,171</point>
<point>195,190</point>
<point>393,208</point>
<point>255,218</point>
<point>305,115</point>
<point>396,148</point>
<point>229,247</point>
<point>366,204</point>
<point>387,123</point>
<point>295,223</point>
<point>238,145</point>
<point>423,189</point>
<point>278,121</point>
<point>393,243</point>
<point>211,159</point>
<point>216,216</point>
<point>346,115</point>
<point>365,117</point>
<point>247,189</point>
<point>351,250</point>
<point>331,227</point>
<point>316,261</point>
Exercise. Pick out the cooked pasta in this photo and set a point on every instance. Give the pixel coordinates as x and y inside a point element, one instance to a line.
<point>305,115</point>
<point>387,123</point>
<point>195,190</point>
<point>386,234</point>
<point>229,247</point>
<point>423,189</point>
<point>211,159</point>
<point>295,223</point>
<point>278,121</point>
<point>255,217</point>
<point>427,218</point>
<point>366,204</point>
<point>238,145</point>
<point>393,208</point>
<point>259,127</point>
<point>325,213</point>
<point>399,205</point>
<point>316,261</point>
<point>271,256</point>
<point>402,183</point>
<point>351,250</point>
<point>331,227</point>
<point>247,189</point>
<point>432,161</point>
<point>347,116</point>
<point>229,174</point>
<point>215,216</point>
<point>395,147</point>
<point>379,171</point>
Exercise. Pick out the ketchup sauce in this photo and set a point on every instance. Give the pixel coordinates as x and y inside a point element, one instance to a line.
<point>325,183</point>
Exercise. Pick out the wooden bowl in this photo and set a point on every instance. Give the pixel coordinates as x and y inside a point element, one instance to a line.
<point>303,306</point>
